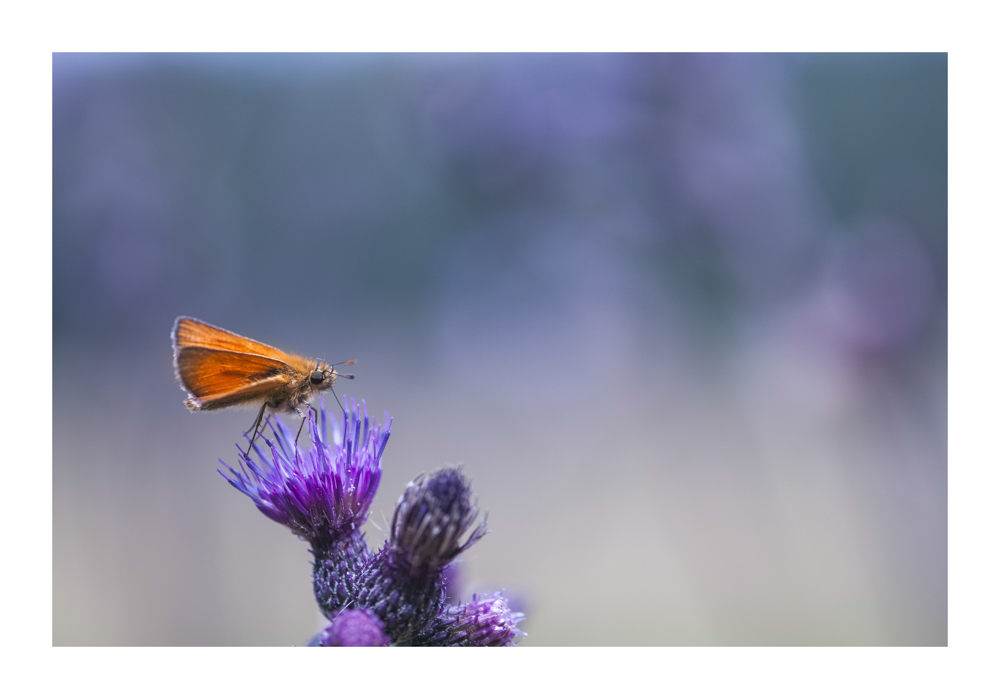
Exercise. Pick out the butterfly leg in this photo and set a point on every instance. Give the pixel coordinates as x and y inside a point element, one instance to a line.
<point>304,416</point>
<point>338,401</point>
<point>254,429</point>
<point>301,425</point>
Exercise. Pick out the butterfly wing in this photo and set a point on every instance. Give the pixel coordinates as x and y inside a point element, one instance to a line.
<point>217,378</point>
<point>191,332</point>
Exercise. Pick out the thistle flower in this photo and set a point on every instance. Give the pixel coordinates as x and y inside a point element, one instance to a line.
<point>352,627</point>
<point>404,583</point>
<point>322,495</point>
<point>430,519</point>
<point>396,595</point>
<point>482,622</point>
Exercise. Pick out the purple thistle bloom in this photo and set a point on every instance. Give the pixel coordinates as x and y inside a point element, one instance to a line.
<point>404,583</point>
<point>327,491</point>
<point>397,595</point>
<point>352,627</point>
<point>431,517</point>
<point>482,622</point>
<point>322,495</point>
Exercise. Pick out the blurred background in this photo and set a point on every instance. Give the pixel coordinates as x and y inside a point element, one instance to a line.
<point>681,317</point>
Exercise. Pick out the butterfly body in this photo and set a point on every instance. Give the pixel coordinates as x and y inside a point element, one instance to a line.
<point>220,369</point>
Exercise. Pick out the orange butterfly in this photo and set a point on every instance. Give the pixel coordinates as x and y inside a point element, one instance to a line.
<point>220,369</point>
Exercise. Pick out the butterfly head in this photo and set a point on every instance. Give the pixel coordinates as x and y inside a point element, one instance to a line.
<point>323,377</point>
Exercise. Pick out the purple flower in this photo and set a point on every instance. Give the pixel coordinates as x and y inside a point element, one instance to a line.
<point>352,627</point>
<point>397,595</point>
<point>322,495</point>
<point>404,583</point>
<point>482,622</point>
<point>431,517</point>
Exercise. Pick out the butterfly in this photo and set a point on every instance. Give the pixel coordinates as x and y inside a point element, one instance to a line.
<point>220,369</point>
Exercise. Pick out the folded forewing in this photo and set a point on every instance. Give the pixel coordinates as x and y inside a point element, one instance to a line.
<point>191,332</point>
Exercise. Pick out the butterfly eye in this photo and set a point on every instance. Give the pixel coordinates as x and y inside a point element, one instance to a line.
<point>316,377</point>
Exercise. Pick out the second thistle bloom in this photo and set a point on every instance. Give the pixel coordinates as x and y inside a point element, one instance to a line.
<point>404,583</point>
<point>430,520</point>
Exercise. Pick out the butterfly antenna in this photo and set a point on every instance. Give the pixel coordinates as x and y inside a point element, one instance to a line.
<point>345,376</point>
